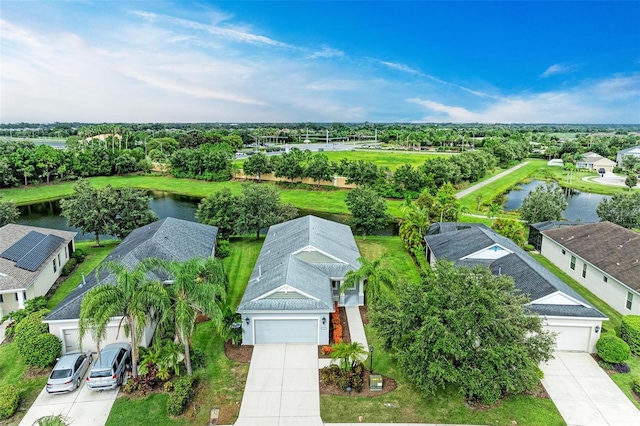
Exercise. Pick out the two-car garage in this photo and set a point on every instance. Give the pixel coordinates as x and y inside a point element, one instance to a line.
<point>294,330</point>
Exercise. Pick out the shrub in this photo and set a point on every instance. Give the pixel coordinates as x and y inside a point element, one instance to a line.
<point>630,332</point>
<point>179,398</point>
<point>622,367</point>
<point>9,397</point>
<point>10,330</point>
<point>613,349</point>
<point>198,359</point>
<point>329,374</point>
<point>28,329</point>
<point>68,267</point>
<point>43,350</point>
<point>528,247</point>
<point>223,248</point>
<point>635,386</point>
<point>78,255</point>
<point>326,350</point>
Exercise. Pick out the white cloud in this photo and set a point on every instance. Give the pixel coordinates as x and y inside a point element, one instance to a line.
<point>327,52</point>
<point>399,67</point>
<point>556,69</point>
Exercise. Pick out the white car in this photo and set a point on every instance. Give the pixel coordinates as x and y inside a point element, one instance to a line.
<point>69,371</point>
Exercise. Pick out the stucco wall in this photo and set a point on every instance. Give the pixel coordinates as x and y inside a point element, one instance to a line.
<point>248,330</point>
<point>613,292</point>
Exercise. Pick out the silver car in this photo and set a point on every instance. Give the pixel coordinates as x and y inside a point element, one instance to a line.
<point>69,371</point>
<point>110,368</point>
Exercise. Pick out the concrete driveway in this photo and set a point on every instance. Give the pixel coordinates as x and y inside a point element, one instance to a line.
<point>82,406</point>
<point>282,386</point>
<point>584,393</point>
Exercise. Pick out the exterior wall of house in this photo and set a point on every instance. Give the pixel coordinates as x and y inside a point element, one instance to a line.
<point>248,330</point>
<point>613,292</point>
<point>68,332</point>
<point>620,155</point>
<point>9,304</point>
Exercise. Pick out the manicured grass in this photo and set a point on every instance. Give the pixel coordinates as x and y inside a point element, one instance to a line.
<point>390,159</point>
<point>625,381</point>
<point>446,406</point>
<point>490,191</point>
<point>574,180</point>
<point>12,371</point>
<point>222,382</point>
<point>93,256</point>
<point>398,259</point>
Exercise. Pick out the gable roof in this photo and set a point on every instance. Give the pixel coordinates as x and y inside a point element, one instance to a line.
<point>634,150</point>
<point>284,260</point>
<point>609,247</point>
<point>167,239</point>
<point>529,276</point>
<point>591,157</point>
<point>17,273</point>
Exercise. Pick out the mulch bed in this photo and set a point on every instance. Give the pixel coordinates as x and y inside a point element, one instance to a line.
<point>240,353</point>
<point>346,335</point>
<point>388,384</point>
<point>364,314</point>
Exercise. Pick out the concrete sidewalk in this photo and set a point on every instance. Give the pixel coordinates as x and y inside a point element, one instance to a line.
<point>488,181</point>
<point>282,386</point>
<point>584,394</point>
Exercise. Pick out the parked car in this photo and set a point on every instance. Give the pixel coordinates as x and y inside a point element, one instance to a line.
<point>110,368</point>
<point>68,372</point>
<point>601,171</point>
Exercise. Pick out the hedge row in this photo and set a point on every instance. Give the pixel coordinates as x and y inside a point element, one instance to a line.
<point>630,332</point>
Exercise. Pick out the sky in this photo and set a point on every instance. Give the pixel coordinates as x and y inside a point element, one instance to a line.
<point>320,61</point>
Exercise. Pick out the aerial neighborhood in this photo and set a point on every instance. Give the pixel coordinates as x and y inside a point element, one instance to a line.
<point>319,213</point>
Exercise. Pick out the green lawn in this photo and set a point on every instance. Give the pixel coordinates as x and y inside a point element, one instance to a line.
<point>93,256</point>
<point>222,382</point>
<point>574,180</point>
<point>390,159</point>
<point>398,259</point>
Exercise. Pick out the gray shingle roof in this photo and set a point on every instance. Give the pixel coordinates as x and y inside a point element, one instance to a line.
<point>277,265</point>
<point>529,276</point>
<point>15,278</point>
<point>611,248</point>
<point>168,239</point>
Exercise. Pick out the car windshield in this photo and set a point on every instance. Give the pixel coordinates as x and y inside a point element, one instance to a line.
<point>100,373</point>
<point>60,374</point>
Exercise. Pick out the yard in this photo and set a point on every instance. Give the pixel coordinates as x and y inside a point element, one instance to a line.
<point>390,159</point>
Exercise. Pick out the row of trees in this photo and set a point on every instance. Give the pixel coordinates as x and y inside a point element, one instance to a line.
<point>206,162</point>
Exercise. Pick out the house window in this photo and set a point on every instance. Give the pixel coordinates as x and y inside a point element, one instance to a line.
<point>629,300</point>
<point>605,278</point>
<point>584,270</point>
<point>1,299</point>
<point>335,285</point>
<point>573,263</point>
<point>66,252</point>
<point>55,267</point>
<point>24,295</point>
<point>564,252</point>
<point>59,263</point>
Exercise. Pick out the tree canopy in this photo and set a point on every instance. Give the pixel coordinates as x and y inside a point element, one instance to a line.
<point>621,209</point>
<point>546,202</point>
<point>8,212</point>
<point>368,210</point>
<point>468,328</point>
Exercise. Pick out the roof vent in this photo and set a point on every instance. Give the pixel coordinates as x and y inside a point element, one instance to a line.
<point>500,270</point>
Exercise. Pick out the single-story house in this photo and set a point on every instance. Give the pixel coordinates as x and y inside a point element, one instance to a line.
<point>563,311</point>
<point>603,257</point>
<point>167,239</point>
<point>633,151</point>
<point>593,161</point>
<point>535,230</point>
<point>31,260</point>
<point>296,280</point>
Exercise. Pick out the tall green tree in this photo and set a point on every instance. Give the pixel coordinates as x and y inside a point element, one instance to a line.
<point>135,298</point>
<point>220,209</point>
<point>8,212</point>
<point>546,202</point>
<point>414,224</point>
<point>86,210</point>
<point>465,327</point>
<point>368,210</point>
<point>197,286</point>
<point>378,278</point>
<point>257,164</point>
<point>319,168</point>
<point>511,229</point>
<point>621,209</point>
<point>631,181</point>
<point>259,207</point>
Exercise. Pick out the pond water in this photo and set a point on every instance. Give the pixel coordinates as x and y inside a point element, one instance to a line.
<point>582,205</point>
<point>164,204</point>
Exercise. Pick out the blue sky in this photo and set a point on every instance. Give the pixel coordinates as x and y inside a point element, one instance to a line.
<point>489,62</point>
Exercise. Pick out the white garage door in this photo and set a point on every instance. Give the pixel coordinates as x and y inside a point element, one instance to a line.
<point>286,331</point>
<point>571,338</point>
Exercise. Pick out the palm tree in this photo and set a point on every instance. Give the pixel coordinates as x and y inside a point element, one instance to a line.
<point>494,210</point>
<point>413,226</point>
<point>133,296</point>
<point>348,354</point>
<point>376,275</point>
<point>198,286</point>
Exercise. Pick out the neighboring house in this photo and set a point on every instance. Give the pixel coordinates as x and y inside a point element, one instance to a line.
<point>535,230</point>
<point>634,151</point>
<point>31,260</point>
<point>296,281</point>
<point>593,161</point>
<point>564,311</point>
<point>603,257</point>
<point>167,239</point>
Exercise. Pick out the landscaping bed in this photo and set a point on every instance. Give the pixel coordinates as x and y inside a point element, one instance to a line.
<point>238,353</point>
<point>388,385</point>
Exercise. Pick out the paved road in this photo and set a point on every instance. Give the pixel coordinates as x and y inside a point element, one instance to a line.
<point>490,180</point>
<point>584,394</point>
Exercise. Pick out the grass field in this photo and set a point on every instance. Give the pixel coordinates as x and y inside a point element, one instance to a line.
<point>574,180</point>
<point>390,159</point>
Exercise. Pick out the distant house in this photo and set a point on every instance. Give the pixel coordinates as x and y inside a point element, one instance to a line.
<point>595,162</point>
<point>563,310</point>
<point>535,230</point>
<point>167,239</point>
<point>31,260</point>
<point>634,151</point>
<point>603,257</point>
<point>296,281</point>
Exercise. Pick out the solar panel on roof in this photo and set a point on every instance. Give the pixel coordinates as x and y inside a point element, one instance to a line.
<point>32,260</point>
<point>23,246</point>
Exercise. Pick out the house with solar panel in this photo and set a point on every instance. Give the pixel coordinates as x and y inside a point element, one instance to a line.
<point>31,260</point>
